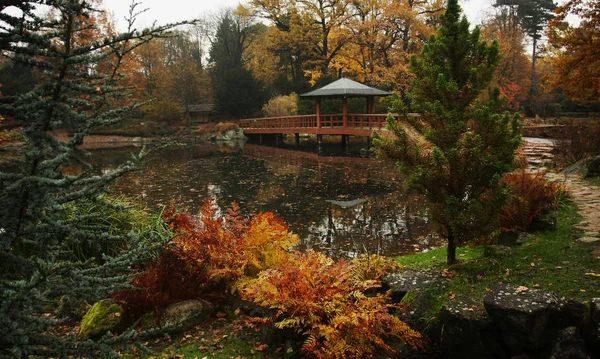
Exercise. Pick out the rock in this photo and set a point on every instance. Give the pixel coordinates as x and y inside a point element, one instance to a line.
<point>468,332</point>
<point>512,239</point>
<point>104,316</point>
<point>404,281</point>
<point>529,319</point>
<point>138,139</point>
<point>496,251</point>
<point>72,308</point>
<point>569,345</point>
<point>187,314</point>
<point>577,167</point>
<point>593,167</point>
<point>234,134</point>
<point>544,222</point>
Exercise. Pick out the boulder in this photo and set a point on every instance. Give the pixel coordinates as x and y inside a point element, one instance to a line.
<point>187,314</point>
<point>529,319</point>
<point>407,280</point>
<point>496,251</point>
<point>466,331</point>
<point>569,345</point>
<point>593,167</point>
<point>72,308</point>
<point>104,316</point>
<point>544,222</point>
<point>234,134</point>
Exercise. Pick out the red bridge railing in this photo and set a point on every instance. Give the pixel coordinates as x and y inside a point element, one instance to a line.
<point>332,124</point>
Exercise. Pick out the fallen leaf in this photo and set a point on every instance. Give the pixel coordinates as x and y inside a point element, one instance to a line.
<point>522,289</point>
<point>451,295</point>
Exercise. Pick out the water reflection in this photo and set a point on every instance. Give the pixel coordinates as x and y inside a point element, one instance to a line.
<point>339,205</point>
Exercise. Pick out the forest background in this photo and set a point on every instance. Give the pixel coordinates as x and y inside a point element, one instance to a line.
<point>240,59</point>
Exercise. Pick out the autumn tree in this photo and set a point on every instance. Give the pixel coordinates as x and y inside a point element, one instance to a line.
<point>577,60</point>
<point>46,225</point>
<point>384,36</point>
<point>458,148</point>
<point>512,75</point>
<point>235,89</point>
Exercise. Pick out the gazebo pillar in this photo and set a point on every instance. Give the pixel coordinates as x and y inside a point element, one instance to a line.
<point>318,113</point>
<point>345,111</point>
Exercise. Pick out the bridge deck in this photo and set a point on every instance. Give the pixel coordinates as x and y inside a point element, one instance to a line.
<point>325,124</point>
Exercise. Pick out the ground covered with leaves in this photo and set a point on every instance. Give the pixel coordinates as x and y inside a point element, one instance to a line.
<point>551,260</point>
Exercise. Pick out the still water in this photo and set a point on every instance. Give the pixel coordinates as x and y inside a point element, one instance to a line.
<point>338,202</point>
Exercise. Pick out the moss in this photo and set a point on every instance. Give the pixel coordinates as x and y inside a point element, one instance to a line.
<point>104,316</point>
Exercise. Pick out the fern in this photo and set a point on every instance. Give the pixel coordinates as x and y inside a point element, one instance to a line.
<point>327,303</point>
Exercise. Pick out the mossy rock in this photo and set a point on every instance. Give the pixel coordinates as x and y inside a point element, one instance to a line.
<point>104,316</point>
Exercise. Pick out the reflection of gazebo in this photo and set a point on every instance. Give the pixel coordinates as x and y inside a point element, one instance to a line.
<point>345,88</point>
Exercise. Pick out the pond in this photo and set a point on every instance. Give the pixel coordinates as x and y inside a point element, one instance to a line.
<point>338,202</point>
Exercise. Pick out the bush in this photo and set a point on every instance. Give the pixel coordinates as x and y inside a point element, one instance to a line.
<point>326,302</point>
<point>581,139</point>
<point>222,127</point>
<point>531,195</point>
<point>208,255</point>
<point>281,106</point>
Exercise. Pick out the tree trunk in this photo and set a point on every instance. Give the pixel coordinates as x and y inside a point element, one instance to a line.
<point>451,254</point>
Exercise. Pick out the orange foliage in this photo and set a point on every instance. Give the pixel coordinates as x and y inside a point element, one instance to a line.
<point>531,195</point>
<point>325,302</point>
<point>207,255</point>
<point>227,248</point>
<point>577,60</point>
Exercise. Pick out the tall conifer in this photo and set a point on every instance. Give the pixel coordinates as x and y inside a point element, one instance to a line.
<point>45,230</point>
<point>459,147</point>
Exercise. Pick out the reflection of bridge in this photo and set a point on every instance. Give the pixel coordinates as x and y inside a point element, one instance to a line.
<point>291,157</point>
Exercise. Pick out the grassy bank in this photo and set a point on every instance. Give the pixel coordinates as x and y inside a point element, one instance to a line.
<point>552,261</point>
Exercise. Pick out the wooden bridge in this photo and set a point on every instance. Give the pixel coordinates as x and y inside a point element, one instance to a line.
<point>324,124</point>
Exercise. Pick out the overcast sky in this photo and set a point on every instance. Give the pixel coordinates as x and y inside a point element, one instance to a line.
<point>164,11</point>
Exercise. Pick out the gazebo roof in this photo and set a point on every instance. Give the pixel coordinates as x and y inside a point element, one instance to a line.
<point>345,87</point>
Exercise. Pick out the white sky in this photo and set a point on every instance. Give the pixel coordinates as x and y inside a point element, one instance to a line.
<point>165,11</point>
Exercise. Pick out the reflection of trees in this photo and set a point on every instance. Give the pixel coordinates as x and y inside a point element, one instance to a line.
<point>296,186</point>
<point>392,224</point>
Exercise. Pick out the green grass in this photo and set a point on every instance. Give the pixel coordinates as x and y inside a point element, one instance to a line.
<point>221,339</point>
<point>551,261</point>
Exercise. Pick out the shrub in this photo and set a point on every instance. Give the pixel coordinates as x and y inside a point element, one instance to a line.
<point>325,302</point>
<point>208,255</point>
<point>531,195</point>
<point>222,127</point>
<point>281,106</point>
<point>580,139</point>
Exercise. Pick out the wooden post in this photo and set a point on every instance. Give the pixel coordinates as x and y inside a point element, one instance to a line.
<point>345,111</point>
<point>318,112</point>
<point>297,137</point>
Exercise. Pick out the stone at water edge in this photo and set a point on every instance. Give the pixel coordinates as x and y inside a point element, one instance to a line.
<point>529,319</point>
<point>104,316</point>
<point>569,345</point>
<point>465,330</point>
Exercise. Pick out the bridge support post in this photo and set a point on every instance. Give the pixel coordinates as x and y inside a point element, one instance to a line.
<point>260,139</point>
<point>369,142</point>
<point>319,139</point>
<point>297,139</point>
<point>278,139</point>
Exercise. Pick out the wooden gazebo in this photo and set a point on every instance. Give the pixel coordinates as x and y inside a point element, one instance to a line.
<point>343,124</point>
<point>345,88</point>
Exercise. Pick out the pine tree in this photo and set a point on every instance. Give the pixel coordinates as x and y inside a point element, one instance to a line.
<point>46,230</point>
<point>459,147</point>
<point>235,89</point>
